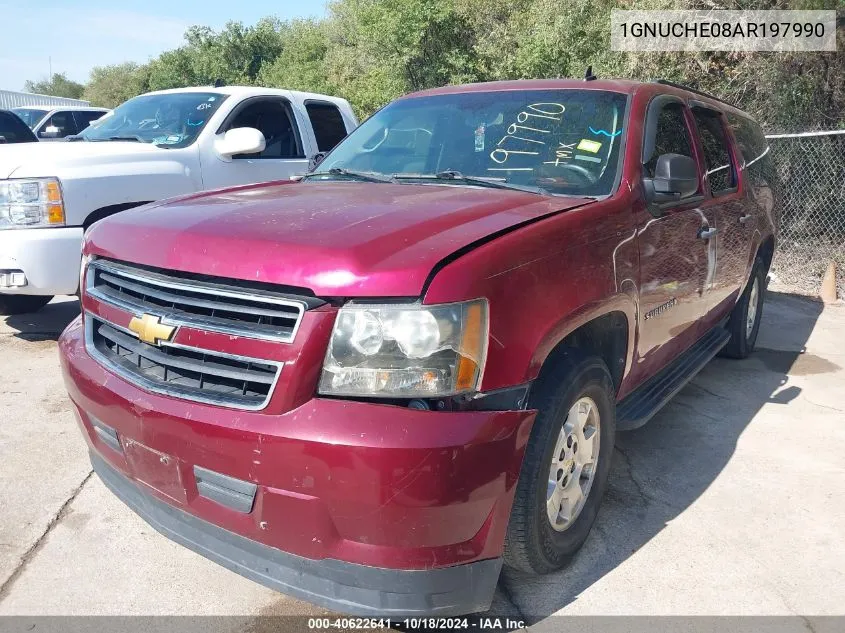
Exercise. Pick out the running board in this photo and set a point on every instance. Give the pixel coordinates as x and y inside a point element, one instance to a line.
<point>640,405</point>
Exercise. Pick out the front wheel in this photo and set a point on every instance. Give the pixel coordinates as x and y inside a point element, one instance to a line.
<point>22,304</point>
<point>566,465</point>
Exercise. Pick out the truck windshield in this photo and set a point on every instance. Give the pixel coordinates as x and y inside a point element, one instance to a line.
<point>168,120</point>
<point>30,116</point>
<point>556,141</point>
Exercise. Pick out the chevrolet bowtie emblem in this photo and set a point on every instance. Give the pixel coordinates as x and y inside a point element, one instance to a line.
<point>150,329</point>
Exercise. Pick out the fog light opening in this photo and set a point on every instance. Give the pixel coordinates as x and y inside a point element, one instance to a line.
<point>12,279</point>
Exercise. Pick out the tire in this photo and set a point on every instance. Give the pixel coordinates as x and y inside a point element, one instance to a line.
<point>742,328</point>
<point>21,304</point>
<point>532,544</point>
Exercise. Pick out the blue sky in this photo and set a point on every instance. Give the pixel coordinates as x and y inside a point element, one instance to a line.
<point>81,34</point>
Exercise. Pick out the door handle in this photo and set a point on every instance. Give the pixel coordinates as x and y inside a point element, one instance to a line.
<point>706,234</point>
<point>745,219</point>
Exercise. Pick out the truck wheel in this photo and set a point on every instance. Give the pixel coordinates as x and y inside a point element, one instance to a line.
<point>565,469</point>
<point>744,323</point>
<point>21,304</point>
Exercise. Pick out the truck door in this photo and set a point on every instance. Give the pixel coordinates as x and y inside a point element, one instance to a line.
<point>283,156</point>
<point>58,126</point>
<point>677,254</point>
<point>732,210</point>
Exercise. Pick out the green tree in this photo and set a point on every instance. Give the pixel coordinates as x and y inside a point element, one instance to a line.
<point>372,51</point>
<point>234,55</point>
<point>301,65</point>
<point>109,86</point>
<point>57,86</point>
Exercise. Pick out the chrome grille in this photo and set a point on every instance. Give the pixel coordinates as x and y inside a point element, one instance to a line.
<point>177,300</point>
<point>209,306</point>
<point>183,372</point>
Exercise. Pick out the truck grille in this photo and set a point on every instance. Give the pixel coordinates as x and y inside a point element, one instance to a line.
<point>209,306</point>
<point>190,373</point>
<point>186,373</point>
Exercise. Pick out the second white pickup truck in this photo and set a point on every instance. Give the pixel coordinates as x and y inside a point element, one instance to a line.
<point>155,146</point>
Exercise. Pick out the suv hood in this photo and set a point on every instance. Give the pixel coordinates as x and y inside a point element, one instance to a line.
<point>53,159</point>
<point>334,238</point>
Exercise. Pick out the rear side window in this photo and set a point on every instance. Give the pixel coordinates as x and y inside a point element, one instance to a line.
<point>672,136</point>
<point>84,118</point>
<point>328,124</point>
<point>720,169</point>
<point>749,138</point>
<point>754,149</point>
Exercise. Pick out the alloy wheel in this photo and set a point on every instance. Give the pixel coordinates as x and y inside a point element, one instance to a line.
<point>574,464</point>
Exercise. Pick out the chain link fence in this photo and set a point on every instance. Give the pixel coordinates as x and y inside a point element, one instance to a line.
<point>811,173</point>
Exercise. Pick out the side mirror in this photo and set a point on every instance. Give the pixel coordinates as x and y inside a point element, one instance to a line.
<point>675,178</point>
<point>240,140</point>
<point>51,131</point>
<point>315,160</point>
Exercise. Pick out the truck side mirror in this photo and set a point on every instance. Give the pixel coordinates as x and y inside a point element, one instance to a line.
<point>675,178</point>
<point>315,160</point>
<point>240,140</point>
<point>51,131</point>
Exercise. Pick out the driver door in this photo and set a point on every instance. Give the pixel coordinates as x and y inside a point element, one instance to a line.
<point>677,258</point>
<point>283,156</point>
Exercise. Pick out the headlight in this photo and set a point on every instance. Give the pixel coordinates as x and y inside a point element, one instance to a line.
<point>406,350</point>
<point>30,203</point>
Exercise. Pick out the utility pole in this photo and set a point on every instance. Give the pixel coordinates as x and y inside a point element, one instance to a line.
<point>50,62</point>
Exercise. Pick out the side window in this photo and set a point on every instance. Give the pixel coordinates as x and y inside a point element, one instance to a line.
<point>754,148</point>
<point>328,124</point>
<point>721,171</point>
<point>62,121</point>
<point>672,136</point>
<point>271,117</point>
<point>83,118</point>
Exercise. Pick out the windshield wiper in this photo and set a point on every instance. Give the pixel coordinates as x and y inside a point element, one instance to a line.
<point>481,181</point>
<point>133,137</point>
<point>74,137</point>
<point>367,176</point>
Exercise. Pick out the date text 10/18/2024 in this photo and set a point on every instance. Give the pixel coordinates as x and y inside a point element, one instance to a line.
<point>414,624</point>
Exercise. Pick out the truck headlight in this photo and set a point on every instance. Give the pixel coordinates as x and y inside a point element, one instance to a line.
<point>406,350</point>
<point>30,203</point>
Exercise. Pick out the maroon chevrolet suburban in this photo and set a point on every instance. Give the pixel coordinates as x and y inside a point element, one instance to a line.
<point>372,388</point>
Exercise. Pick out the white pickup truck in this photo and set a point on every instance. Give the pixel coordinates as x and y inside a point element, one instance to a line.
<point>154,146</point>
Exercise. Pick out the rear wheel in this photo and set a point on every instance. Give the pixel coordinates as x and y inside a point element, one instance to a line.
<point>21,304</point>
<point>744,323</point>
<point>566,465</point>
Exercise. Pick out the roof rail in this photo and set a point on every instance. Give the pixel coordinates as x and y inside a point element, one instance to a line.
<point>666,82</point>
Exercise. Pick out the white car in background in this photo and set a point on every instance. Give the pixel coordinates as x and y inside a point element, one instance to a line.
<point>52,123</point>
<point>155,146</point>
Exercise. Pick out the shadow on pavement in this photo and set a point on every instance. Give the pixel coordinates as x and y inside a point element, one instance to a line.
<point>661,469</point>
<point>46,324</point>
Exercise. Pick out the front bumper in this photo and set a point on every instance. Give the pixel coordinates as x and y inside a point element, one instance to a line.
<point>363,508</point>
<point>334,584</point>
<point>49,257</point>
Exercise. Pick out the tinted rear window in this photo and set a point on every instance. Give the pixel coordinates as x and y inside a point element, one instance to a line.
<point>328,124</point>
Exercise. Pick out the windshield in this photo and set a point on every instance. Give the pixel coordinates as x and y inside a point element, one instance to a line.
<point>30,116</point>
<point>168,120</point>
<point>562,141</point>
